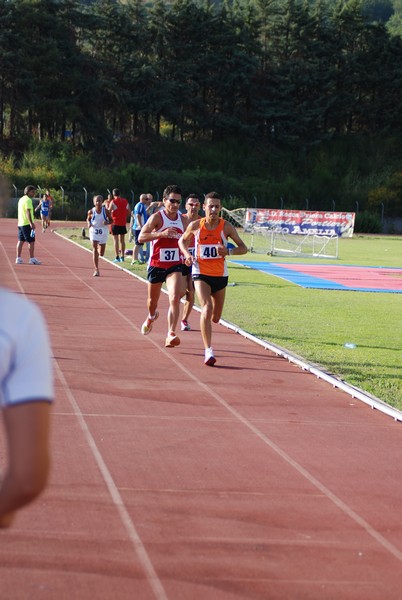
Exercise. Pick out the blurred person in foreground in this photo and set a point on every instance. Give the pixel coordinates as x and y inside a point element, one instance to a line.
<point>26,395</point>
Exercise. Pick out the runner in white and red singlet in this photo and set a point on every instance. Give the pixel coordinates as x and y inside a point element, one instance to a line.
<point>163,229</point>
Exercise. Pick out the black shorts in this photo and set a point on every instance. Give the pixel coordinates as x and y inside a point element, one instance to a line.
<point>156,275</point>
<point>119,229</point>
<point>215,283</point>
<point>24,234</point>
<point>136,234</point>
<point>187,270</point>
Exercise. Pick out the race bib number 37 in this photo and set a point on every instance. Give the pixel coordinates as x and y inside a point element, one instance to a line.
<point>169,255</point>
<point>208,251</point>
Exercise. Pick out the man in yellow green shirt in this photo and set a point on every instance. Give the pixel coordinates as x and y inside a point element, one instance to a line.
<point>26,226</point>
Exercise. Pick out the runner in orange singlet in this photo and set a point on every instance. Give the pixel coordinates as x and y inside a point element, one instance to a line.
<point>209,265</point>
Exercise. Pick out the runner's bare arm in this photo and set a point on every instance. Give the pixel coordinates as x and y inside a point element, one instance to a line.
<point>230,232</point>
<point>147,233</point>
<point>185,240</point>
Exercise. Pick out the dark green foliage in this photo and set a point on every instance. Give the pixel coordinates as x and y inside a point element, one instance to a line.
<point>290,72</point>
<point>357,174</point>
<point>266,99</point>
<point>366,222</point>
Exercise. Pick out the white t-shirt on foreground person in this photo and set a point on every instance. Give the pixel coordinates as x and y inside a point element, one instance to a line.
<point>26,394</point>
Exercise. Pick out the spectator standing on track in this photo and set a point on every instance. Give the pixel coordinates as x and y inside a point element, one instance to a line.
<point>26,226</point>
<point>163,229</point>
<point>121,211</point>
<point>45,207</point>
<point>26,393</point>
<point>98,219</point>
<point>193,208</point>
<point>140,217</point>
<point>210,274</point>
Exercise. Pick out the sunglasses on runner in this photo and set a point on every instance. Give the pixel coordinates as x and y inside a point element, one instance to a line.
<point>174,201</point>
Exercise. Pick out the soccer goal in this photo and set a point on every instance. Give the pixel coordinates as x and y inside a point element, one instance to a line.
<point>304,245</point>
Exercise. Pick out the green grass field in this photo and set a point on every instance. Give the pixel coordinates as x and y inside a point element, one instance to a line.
<point>316,324</point>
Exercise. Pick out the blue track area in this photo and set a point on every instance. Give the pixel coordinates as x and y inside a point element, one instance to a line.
<point>333,277</point>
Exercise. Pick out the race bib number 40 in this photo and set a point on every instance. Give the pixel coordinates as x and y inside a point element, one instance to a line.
<point>208,251</point>
<point>169,255</point>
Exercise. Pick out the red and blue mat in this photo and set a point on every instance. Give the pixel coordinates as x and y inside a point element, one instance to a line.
<point>334,277</point>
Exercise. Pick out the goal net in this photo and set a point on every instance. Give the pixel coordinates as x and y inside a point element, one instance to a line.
<point>237,216</point>
<point>279,243</point>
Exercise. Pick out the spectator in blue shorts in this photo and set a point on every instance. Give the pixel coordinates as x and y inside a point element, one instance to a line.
<point>140,217</point>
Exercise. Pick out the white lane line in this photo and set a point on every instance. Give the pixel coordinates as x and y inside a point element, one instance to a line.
<point>301,470</point>
<point>13,271</point>
<point>139,547</point>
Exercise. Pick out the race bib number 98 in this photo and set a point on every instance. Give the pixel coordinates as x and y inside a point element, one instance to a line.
<point>169,255</point>
<point>208,251</point>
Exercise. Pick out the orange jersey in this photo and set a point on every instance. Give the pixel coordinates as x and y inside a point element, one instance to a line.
<point>208,262</point>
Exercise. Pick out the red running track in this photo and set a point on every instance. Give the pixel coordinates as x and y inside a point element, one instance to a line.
<point>172,480</point>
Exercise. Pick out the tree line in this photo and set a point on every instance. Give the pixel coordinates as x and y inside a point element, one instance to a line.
<point>287,72</point>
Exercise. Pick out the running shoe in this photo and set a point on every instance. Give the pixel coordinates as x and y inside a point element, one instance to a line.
<point>18,261</point>
<point>146,327</point>
<point>34,261</point>
<point>210,359</point>
<point>96,273</point>
<point>172,340</point>
<point>185,325</point>
<point>117,259</point>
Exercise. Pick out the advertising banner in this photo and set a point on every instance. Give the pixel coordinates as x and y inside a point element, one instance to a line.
<point>302,221</point>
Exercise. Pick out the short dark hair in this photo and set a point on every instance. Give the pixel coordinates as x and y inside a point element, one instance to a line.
<point>171,189</point>
<point>213,195</point>
<point>195,196</point>
<point>116,192</point>
<point>29,188</point>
